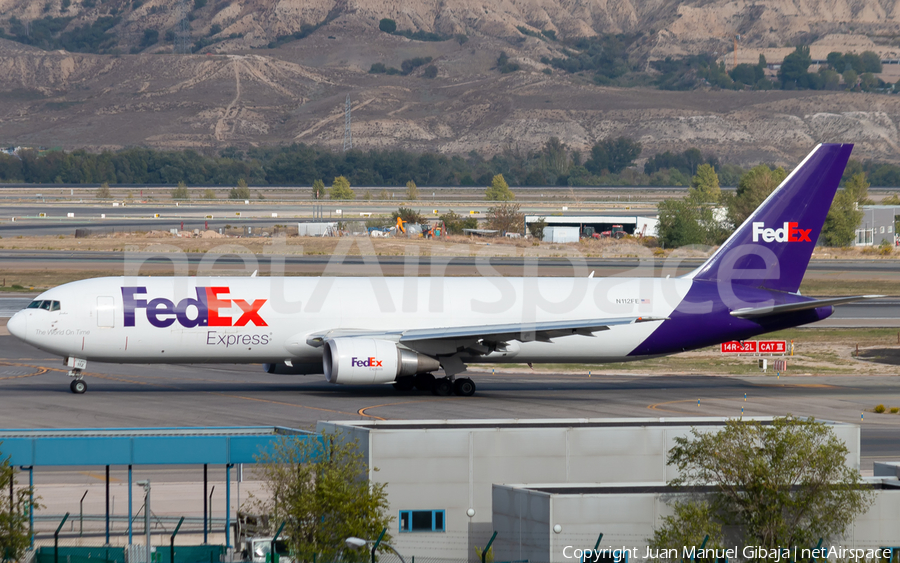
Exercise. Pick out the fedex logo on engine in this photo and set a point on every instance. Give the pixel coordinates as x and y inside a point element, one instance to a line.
<point>788,233</point>
<point>190,312</point>
<point>365,362</point>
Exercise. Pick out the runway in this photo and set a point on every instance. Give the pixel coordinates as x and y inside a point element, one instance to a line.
<point>34,393</point>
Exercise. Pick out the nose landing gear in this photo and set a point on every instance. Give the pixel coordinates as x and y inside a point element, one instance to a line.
<point>78,386</point>
<point>76,368</point>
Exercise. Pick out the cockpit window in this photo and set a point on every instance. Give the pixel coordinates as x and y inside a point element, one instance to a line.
<point>44,304</point>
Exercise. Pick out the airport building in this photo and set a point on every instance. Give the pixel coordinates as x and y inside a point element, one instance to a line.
<point>877,225</point>
<point>536,522</point>
<point>452,483</point>
<point>589,225</point>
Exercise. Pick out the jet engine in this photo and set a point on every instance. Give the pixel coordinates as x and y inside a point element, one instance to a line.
<point>359,361</point>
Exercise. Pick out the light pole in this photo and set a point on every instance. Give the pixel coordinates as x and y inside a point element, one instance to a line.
<point>146,486</point>
<point>359,542</point>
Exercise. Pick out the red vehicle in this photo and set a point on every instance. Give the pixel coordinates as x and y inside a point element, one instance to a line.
<point>617,231</point>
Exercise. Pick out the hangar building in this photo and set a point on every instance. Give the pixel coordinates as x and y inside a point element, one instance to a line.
<point>441,474</point>
<point>631,224</point>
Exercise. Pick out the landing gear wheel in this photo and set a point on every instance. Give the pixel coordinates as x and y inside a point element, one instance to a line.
<point>78,386</point>
<point>464,387</point>
<point>424,382</point>
<point>405,383</point>
<point>442,387</point>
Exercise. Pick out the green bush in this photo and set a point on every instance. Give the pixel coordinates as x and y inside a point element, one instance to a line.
<point>879,409</point>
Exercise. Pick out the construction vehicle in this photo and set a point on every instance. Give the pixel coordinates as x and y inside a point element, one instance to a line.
<point>617,232</point>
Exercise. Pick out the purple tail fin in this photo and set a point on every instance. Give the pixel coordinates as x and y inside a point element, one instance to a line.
<point>773,247</point>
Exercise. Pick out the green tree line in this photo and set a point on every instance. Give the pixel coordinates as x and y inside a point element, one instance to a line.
<point>707,216</point>
<point>610,162</point>
<point>300,164</point>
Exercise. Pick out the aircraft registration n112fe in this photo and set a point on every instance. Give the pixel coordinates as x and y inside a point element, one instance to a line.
<point>377,330</point>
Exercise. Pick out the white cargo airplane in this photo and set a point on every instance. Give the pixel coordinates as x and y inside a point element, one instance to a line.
<point>400,330</point>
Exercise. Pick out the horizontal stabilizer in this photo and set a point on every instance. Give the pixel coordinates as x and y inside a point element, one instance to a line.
<point>753,313</point>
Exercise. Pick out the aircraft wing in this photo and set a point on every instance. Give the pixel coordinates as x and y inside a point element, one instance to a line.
<point>524,332</point>
<point>757,312</point>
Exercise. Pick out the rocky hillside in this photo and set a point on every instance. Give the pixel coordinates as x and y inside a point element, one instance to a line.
<point>670,26</point>
<point>237,92</point>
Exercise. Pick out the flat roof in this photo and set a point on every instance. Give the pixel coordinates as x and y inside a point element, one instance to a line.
<point>530,218</point>
<point>141,446</point>
<point>652,488</point>
<point>489,424</point>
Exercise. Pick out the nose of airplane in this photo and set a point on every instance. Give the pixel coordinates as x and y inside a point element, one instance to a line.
<point>18,325</point>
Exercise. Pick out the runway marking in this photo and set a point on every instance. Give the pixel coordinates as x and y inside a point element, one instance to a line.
<point>40,370</point>
<point>362,411</point>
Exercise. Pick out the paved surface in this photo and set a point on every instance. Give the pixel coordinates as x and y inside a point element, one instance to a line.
<point>143,216</point>
<point>34,392</point>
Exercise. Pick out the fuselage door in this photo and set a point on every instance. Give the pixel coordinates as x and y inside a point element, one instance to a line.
<point>106,312</point>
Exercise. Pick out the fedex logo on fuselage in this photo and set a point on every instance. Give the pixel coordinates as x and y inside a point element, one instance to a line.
<point>365,362</point>
<point>788,233</point>
<point>191,312</point>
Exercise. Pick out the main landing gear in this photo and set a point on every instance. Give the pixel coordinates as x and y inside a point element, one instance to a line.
<point>442,387</point>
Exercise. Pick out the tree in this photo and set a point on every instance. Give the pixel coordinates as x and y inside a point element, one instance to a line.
<point>536,228</point>
<point>844,215</point>
<point>556,159</point>
<point>850,78</point>
<point>613,155</point>
<point>858,188</point>
<point>407,215</point>
<point>780,485</point>
<point>241,191</point>
<point>688,527</point>
<point>679,223</point>
<point>753,188</point>
<point>499,190</point>
<point>871,62</point>
<point>14,533</point>
<point>103,191</point>
<point>412,192</point>
<point>868,82</point>
<point>705,185</point>
<point>387,25</point>
<point>430,71</point>
<point>793,72</point>
<point>181,192</point>
<point>321,489</point>
<point>340,189</point>
<point>318,189</point>
<point>455,224</point>
<point>506,218</point>
<point>208,194</point>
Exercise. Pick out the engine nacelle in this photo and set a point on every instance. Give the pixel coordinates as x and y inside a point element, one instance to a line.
<point>360,361</point>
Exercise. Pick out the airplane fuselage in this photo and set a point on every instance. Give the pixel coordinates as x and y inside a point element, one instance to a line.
<point>270,320</point>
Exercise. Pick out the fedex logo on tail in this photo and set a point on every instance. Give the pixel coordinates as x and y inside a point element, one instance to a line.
<point>788,233</point>
<point>191,312</point>
<point>365,362</point>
